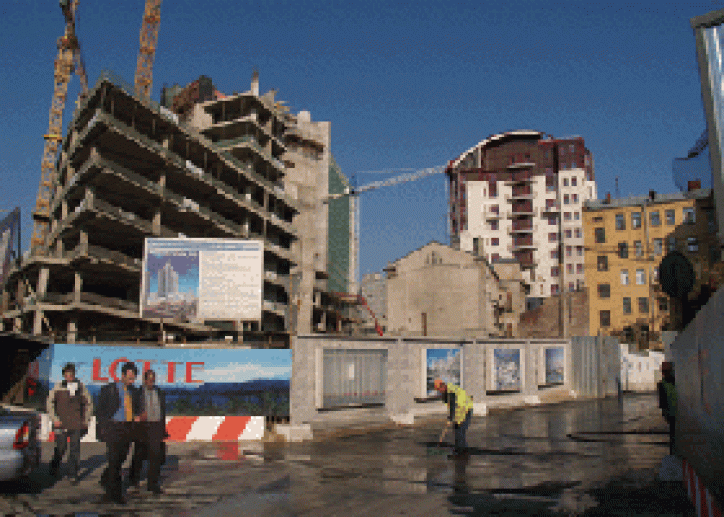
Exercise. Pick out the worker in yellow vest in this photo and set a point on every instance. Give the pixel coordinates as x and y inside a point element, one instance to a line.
<point>460,406</point>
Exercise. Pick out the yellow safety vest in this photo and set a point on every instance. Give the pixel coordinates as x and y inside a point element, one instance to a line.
<point>463,403</point>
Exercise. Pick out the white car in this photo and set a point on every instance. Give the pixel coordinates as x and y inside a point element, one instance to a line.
<point>19,442</point>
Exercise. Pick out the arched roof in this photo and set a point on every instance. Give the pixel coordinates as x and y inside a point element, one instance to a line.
<point>493,138</point>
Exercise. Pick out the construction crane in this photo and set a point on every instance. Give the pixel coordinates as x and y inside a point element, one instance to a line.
<point>69,60</point>
<point>149,38</point>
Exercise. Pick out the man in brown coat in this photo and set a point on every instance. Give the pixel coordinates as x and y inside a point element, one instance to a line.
<point>70,407</point>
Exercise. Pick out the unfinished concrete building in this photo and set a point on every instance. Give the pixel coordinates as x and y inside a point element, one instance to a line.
<point>324,253</point>
<point>131,169</point>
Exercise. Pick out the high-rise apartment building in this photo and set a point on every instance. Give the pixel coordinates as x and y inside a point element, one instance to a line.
<point>518,195</point>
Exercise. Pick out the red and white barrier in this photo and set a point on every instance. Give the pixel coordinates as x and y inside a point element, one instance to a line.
<point>701,498</point>
<point>189,429</point>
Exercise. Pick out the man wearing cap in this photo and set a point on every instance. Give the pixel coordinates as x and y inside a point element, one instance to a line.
<point>70,407</point>
<point>460,406</point>
<point>667,400</point>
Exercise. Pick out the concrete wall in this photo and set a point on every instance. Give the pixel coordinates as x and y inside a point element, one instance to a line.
<point>698,357</point>
<point>640,371</point>
<point>596,364</point>
<point>406,395</point>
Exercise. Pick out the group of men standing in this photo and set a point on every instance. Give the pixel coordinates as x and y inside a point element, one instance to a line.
<point>125,415</point>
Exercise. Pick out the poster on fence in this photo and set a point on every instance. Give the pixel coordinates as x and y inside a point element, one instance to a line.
<point>443,363</point>
<point>554,365</point>
<point>202,279</point>
<point>196,382</point>
<point>507,369</point>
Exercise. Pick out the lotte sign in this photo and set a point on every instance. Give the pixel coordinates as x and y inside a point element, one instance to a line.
<point>113,369</point>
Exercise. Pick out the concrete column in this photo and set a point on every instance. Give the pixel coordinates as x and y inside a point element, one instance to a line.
<point>42,285</point>
<point>83,237</point>
<point>63,209</point>
<point>528,376</point>
<point>38,322</point>
<point>72,335</point>
<point>77,287</point>
<point>474,374</point>
<point>59,248</point>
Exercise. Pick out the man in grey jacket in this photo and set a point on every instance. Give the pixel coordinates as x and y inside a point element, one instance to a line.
<point>70,407</point>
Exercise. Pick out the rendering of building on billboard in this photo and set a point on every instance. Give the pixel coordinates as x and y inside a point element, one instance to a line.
<point>709,35</point>
<point>202,279</point>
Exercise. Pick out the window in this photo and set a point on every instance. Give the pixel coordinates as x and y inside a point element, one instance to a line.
<point>554,271</point>
<point>663,304</point>
<point>639,249</point>
<point>494,225</point>
<point>640,277</point>
<point>569,251</point>
<point>577,216</point>
<point>671,244</point>
<point>635,220</point>
<point>565,182</point>
<point>658,246</point>
<point>579,251</point>
<point>604,290</point>
<point>552,237</point>
<point>600,235</point>
<point>569,268</point>
<point>495,257</point>
<point>565,199</point>
<point>602,263</point>
<point>671,217</point>
<point>643,305</point>
<point>692,244</point>
<point>626,305</point>
<point>554,254</point>
<point>495,241</point>
<point>494,209</point>
<point>598,219</point>
<point>554,289</point>
<point>579,268</point>
<point>574,181</point>
<point>605,317</point>
<point>493,189</point>
<point>689,216</point>
<point>578,233</point>
<point>655,219</point>
<point>476,246</point>
<point>623,250</point>
<point>575,198</point>
<point>566,216</point>
<point>624,277</point>
<point>620,222</point>
<point>568,233</point>
<point>711,220</point>
<point>552,220</point>
<point>550,203</point>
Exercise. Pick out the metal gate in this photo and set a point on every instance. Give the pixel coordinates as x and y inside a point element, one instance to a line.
<point>353,377</point>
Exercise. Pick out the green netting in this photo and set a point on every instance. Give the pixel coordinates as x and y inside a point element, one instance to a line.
<point>338,245</point>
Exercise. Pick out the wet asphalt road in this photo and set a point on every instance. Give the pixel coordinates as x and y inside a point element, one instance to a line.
<point>574,458</point>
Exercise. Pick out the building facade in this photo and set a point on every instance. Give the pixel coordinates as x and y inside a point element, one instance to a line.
<point>519,195</point>
<point>625,240</point>
<point>437,290</point>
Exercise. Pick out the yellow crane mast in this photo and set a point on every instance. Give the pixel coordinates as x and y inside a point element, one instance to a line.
<point>149,37</point>
<point>69,60</point>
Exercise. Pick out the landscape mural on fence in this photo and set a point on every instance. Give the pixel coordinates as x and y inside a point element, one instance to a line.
<point>554,365</point>
<point>443,363</point>
<point>195,381</point>
<point>507,369</point>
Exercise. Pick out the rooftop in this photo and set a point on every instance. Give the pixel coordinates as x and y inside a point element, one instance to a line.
<point>601,204</point>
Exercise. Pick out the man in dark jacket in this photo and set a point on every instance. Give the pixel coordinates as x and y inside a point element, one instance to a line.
<point>70,407</point>
<point>667,401</point>
<point>152,431</point>
<point>116,425</point>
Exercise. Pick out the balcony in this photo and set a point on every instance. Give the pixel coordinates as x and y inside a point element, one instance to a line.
<point>521,192</point>
<point>551,208</point>
<point>521,165</point>
<point>521,227</point>
<point>519,176</point>
<point>523,242</point>
<point>492,214</point>
<point>522,208</point>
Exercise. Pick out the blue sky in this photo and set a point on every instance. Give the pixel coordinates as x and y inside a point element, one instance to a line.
<point>406,85</point>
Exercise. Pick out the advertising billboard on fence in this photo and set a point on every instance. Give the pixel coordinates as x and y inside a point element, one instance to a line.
<point>195,381</point>
<point>554,365</point>
<point>443,363</point>
<point>202,279</point>
<point>507,369</point>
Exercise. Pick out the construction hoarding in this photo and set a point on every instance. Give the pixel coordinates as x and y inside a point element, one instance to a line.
<point>202,279</point>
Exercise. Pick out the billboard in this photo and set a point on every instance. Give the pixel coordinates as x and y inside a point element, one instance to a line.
<point>196,382</point>
<point>507,369</point>
<point>193,280</point>
<point>9,236</point>
<point>443,363</point>
<point>555,366</point>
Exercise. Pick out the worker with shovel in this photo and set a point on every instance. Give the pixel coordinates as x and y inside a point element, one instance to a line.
<point>460,406</point>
